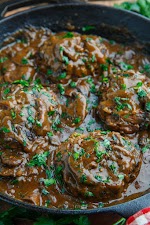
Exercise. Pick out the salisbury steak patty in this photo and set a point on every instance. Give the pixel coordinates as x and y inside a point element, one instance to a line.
<point>125,102</point>
<point>28,115</point>
<point>98,166</point>
<point>66,54</point>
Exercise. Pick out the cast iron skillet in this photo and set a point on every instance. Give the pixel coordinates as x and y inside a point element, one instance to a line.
<point>119,25</point>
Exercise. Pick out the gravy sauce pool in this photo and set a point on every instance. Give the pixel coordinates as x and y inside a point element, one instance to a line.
<point>74,120</point>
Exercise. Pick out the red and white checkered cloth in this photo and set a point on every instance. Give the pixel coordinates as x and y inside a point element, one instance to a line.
<point>140,218</point>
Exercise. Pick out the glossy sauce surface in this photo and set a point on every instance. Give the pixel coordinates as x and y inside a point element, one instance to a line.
<point>74,120</point>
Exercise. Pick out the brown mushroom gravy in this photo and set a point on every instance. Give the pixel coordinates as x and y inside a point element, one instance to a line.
<point>74,120</point>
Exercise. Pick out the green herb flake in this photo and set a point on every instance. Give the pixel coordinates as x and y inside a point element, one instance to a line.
<point>113,167</point>
<point>4,129</point>
<point>146,68</point>
<point>13,114</point>
<point>73,84</point>
<point>68,35</point>
<point>105,132</point>
<point>39,159</point>
<point>15,181</point>
<point>99,178</point>
<point>22,114</point>
<point>122,105</point>
<point>123,86</point>
<point>62,76</point>
<point>127,116</point>
<point>3,59</point>
<point>24,143</point>
<point>77,120</point>
<point>31,119</point>
<point>142,93</point>
<point>65,60</point>
<point>83,178</point>
<point>49,72</point>
<point>88,28</point>
<point>61,89</point>
<point>49,134</point>
<point>138,85</point>
<point>48,182</point>
<point>106,144</point>
<point>120,176</point>
<point>59,156</point>
<point>124,66</point>
<point>147,106</point>
<point>38,123</point>
<point>37,85</point>
<point>112,42</point>
<point>89,194</point>
<point>51,113</point>
<point>93,58</point>
<point>58,169</point>
<point>6,91</point>
<point>105,79</point>
<point>24,61</point>
<point>76,155</point>
<point>126,75</point>
<point>22,82</point>
<point>146,148</point>
<point>45,192</point>
<point>104,67</point>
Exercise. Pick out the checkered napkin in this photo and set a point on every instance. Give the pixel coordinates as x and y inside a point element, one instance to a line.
<point>140,218</point>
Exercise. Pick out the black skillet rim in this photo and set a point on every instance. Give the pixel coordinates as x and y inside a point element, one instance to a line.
<point>118,208</point>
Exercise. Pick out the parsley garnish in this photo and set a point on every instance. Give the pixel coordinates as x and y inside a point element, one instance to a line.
<point>61,89</point>
<point>120,105</point>
<point>49,72</point>
<point>48,182</point>
<point>146,148</point>
<point>3,59</point>
<point>99,178</point>
<point>123,86</point>
<point>83,178</point>
<point>77,120</point>
<point>142,93</point>
<point>138,85</point>
<point>45,192</point>
<point>76,155</point>
<point>62,76</point>
<point>147,106</point>
<point>68,35</point>
<point>124,66</point>
<point>61,49</point>
<point>89,194</point>
<point>38,123</point>
<point>6,91</point>
<point>13,114</point>
<point>49,134</point>
<point>4,129</point>
<point>88,27</point>
<point>146,68</point>
<point>31,119</point>
<point>22,82</point>
<point>51,113</point>
<point>39,159</point>
<point>139,6</point>
<point>65,60</point>
<point>120,176</point>
<point>8,216</point>
<point>24,61</point>
<point>73,84</point>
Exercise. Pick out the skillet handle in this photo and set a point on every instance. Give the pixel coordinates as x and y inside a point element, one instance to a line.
<point>9,5</point>
<point>130,208</point>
